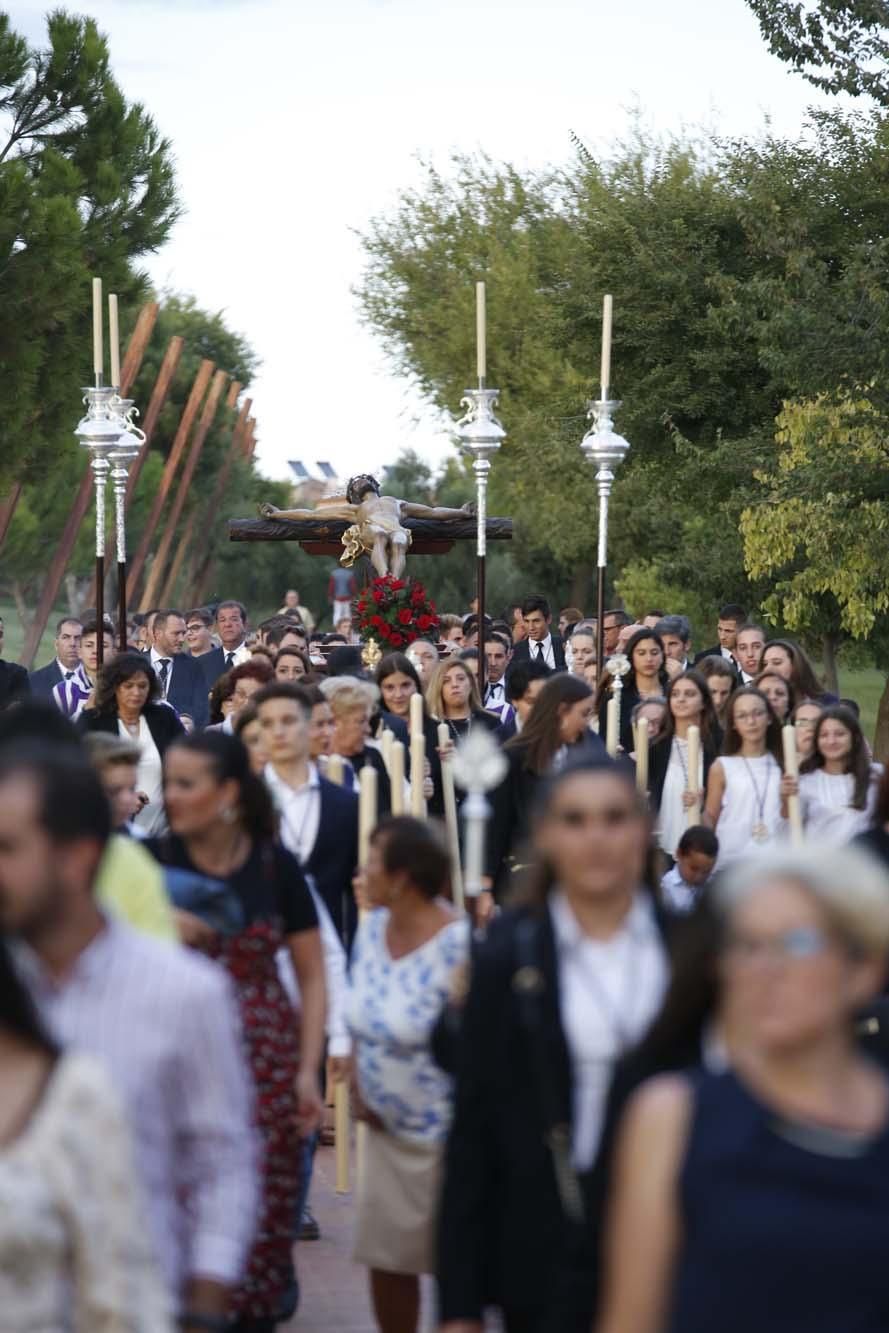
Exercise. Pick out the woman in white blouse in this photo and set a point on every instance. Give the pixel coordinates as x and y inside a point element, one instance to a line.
<point>73,1251</point>
<point>409,950</point>
<point>838,783</point>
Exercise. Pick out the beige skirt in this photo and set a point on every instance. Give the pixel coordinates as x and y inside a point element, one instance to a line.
<point>397,1203</point>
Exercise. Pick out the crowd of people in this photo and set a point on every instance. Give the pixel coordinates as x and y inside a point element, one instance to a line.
<point>637,1085</point>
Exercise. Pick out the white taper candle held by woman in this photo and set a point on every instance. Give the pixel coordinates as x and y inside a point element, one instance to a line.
<point>612,725</point>
<point>396,776</point>
<point>367,810</point>
<point>791,768</point>
<point>642,756</point>
<point>693,775</point>
<point>418,758</point>
<point>450,807</point>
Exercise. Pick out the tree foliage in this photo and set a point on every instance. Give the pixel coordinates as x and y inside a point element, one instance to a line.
<point>840,46</point>
<point>86,187</point>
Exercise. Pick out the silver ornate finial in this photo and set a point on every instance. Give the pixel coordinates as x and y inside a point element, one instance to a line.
<point>478,765</point>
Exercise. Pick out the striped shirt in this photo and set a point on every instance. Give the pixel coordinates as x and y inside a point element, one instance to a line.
<point>164,1023</point>
<point>70,696</point>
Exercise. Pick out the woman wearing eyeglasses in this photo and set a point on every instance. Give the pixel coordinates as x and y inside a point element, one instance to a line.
<point>759,1198</point>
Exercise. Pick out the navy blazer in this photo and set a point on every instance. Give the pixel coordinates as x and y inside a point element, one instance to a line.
<point>522,653</point>
<point>334,858</point>
<point>14,683</point>
<point>187,690</point>
<point>213,665</point>
<point>44,681</point>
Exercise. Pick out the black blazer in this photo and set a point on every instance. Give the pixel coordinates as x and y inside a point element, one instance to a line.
<point>44,681</point>
<point>14,683</point>
<point>187,690</point>
<point>503,1238</point>
<point>334,857</point>
<point>213,665</point>
<point>522,652</point>
<point>163,723</point>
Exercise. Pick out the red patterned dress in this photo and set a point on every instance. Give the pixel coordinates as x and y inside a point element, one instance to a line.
<point>276,904</point>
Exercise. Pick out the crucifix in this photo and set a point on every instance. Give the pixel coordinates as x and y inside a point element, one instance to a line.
<point>364,522</point>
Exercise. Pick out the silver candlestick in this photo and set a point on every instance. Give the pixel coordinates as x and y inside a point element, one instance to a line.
<point>607,450</point>
<point>481,435</point>
<point>127,447</point>
<point>478,766</point>
<point>99,433</point>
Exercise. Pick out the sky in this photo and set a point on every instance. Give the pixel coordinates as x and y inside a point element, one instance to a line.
<point>295,122</point>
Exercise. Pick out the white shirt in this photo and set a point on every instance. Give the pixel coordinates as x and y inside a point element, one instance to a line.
<point>548,655</point>
<point>827,811</point>
<point>299,809</point>
<point>156,658</point>
<point>163,1022</point>
<point>609,991</point>
<point>240,654</point>
<point>149,777</point>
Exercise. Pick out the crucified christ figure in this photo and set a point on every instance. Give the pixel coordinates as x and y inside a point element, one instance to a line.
<point>376,523</point>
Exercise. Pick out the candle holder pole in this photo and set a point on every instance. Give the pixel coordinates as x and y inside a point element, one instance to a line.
<point>607,450</point>
<point>98,434</point>
<point>481,435</point>
<point>126,448</point>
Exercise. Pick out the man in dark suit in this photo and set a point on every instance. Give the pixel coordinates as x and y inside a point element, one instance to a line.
<point>540,644</point>
<point>231,627</point>
<point>731,618</point>
<point>67,659</point>
<point>182,680</point>
<point>319,820</point>
<point>14,683</point>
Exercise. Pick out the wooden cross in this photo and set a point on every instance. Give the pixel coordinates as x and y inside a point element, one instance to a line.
<point>322,536</point>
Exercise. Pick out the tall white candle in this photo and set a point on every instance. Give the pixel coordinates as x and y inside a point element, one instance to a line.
<point>642,756</point>
<point>791,768</point>
<point>396,775</point>
<point>481,330</point>
<point>416,715</point>
<point>418,775</point>
<point>98,348</point>
<point>114,340</point>
<point>450,807</point>
<point>605,376</point>
<point>367,810</point>
<point>386,748</point>
<point>334,770</point>
<point>612,726</point>
<point>693,813</point>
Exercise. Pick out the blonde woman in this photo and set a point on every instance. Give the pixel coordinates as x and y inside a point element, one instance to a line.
<point>453,698</point>
<point>352,701</point>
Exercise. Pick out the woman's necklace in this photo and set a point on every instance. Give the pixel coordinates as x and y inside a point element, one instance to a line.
<point>760,830</point>
<point>133,727</point>
<point>458,731</point>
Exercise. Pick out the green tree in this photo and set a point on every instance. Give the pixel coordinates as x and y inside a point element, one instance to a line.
<point>840,46</point>
<point>86,187</point>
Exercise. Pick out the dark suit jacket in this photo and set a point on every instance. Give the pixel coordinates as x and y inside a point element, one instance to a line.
<point>213,665</point>
<point>334,857</point>
<point>187,691</point>
<point>162,721</point>
<point>522,653</point>
<point>44,681</point>
<point>14,683</point>
<point>503,1238</point>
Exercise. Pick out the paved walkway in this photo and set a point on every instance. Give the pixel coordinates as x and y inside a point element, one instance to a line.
<point>334,1290</point>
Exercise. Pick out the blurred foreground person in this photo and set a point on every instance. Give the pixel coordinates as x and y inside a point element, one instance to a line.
<point>73,1251</point>
<point>758,1198</point>
<point>161,1021</point>
<point>560,989</point>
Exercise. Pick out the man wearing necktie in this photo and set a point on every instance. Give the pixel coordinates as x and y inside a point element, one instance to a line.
<point>541,644</point>
<point>181,678</point>
<point>231,627</point>
<point>496,660</point>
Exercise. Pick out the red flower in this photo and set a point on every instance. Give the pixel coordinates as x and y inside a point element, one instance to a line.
<point>405,616</point>
<point>412,634</point>
<point>418,595</point>
<point>424,622</point>
<point>377,621</point>
<point>397,584</point>
<point>385,631</point>
<point>362,605</point>
<point>396,639</point>
<point>377,596</point>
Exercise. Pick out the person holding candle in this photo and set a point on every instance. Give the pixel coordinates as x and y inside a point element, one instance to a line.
<point>453,698</point>
<point>654,710</point>
<point>399,682</point>
<point>674,789</point>
<point>557,732</point>
<point>410,949</point>
<point>757,1197</point>
<point>838,783</point>
<point>647,678</point>
<point>352,702</point>
<point>805,717</point>
<point>744,786</point>
<point>561,987</point>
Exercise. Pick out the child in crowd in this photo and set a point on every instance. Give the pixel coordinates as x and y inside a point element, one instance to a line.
<point>696,855</point>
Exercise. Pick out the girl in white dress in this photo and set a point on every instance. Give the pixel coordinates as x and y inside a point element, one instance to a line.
<point>744,786</point>
<point>689,704</point>
<point>838,783</point>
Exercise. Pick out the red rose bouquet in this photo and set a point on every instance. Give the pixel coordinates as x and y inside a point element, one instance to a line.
<point>395,612</point>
